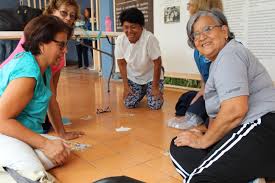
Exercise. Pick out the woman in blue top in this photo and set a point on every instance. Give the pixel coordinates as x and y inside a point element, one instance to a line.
<point>190,108</point>
<point>82,50</point>
<point>24,97</point>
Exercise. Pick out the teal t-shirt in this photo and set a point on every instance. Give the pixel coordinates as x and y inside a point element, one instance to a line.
<point>24,65</point>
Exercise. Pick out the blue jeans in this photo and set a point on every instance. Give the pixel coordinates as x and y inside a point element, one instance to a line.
<point>6,48</point>
<point>83,51</point>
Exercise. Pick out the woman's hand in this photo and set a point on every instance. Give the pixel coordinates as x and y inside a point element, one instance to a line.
<point>189,138</point>
<point>56,151</point>
<point>199,94</point>
<point>127,91</point>
<point>156,93</point>
<point>72,135</point>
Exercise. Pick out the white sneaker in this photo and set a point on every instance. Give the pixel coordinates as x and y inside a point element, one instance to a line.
<point>90,68</point>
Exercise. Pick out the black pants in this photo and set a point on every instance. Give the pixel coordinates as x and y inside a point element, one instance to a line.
<point>6,48</point>
<point>244,154</point>
<point>47,125</point>
<point>198,107</point>
<point>83,51</point>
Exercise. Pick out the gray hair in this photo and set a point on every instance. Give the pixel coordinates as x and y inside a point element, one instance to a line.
<point>216,14</point>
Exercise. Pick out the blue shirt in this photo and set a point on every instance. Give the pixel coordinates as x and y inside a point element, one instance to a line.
<point>203,65</point>
<point>87,26</point>
<point>24,65</point>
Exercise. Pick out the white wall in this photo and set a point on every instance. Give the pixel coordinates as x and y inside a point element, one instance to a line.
<point>252,21</point>
<point>176,55</point>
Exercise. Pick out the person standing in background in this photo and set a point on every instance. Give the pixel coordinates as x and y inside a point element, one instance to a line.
<point>14,18</point>
<point>82,50</point>
<point>6,48</point>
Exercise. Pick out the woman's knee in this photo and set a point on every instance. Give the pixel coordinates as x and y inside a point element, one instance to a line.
<point>130,105</point>
<point>172,146</point>
<point>188,96</point>
<point>130,102</point>
<point>184,102</point>
<point>176,152</point>
<point>207,178</point>
<point>198,179</point>
<point>155,104</point>
<point>19,156</point>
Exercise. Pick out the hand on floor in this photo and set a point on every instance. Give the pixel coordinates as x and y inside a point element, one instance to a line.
<point>156,93</point>
<point>72,135</point>
<point>127,91</point>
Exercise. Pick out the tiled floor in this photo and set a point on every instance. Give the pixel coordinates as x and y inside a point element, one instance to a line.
<point>140,153</point>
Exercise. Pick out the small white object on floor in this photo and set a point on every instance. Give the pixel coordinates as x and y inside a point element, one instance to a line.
<point>123,129</point>
<point>166,153</point>
<point>127,115</point>
<point>88,117</point>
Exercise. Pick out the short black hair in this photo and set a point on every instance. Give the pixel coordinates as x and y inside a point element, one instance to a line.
<point>132,15</point>
<point>43,29</point>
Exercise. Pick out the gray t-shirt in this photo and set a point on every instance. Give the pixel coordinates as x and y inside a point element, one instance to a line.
<point>237,72</point>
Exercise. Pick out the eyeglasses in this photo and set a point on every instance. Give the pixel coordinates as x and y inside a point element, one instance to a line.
<point>103,110</point>
<point>206,30</point>
<point>61,44</point>
<point>64,14</point>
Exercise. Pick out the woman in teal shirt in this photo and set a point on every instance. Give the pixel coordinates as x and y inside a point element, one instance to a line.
<point>24,96</point>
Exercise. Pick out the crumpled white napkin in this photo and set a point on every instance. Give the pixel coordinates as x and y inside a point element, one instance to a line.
<point>123,129</point>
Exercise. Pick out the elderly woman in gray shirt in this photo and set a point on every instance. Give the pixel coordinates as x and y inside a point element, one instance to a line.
<point>239,144</point>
